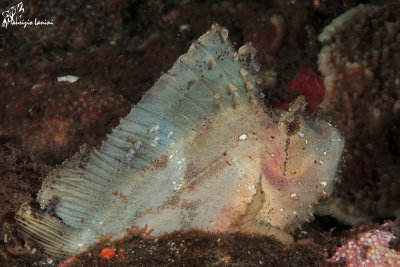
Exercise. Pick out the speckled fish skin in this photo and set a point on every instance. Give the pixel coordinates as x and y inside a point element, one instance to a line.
<point>199,151</point>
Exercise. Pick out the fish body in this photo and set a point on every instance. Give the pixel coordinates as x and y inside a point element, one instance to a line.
<point>199,151</point>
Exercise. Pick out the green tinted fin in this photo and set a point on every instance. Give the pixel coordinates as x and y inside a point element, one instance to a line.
<point>209,79</point>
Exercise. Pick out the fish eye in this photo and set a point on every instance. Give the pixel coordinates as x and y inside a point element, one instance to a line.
<point>291,124</point>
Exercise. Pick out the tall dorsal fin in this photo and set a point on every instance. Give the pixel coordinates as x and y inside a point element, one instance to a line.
<point>209,79</point>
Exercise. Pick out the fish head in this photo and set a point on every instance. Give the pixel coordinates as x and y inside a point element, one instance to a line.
<point>299,161</point>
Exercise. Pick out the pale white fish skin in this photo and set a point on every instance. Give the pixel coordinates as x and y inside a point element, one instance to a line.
<point>199,151</point>
<point>298,169</point>
<point>208,180</point>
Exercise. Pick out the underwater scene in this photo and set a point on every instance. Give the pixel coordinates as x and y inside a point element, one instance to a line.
<point>200,133</point>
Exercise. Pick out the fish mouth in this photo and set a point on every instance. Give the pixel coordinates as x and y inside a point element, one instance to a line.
<point>300,146</point>
<point>281,172</point>
<point>287,158</point>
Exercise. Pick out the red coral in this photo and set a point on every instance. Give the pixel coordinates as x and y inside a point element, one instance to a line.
<point>307,83</point>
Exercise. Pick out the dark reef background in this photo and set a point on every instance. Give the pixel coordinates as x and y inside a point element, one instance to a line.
<point>118,49</point>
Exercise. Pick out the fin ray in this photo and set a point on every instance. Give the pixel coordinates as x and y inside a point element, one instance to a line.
<point>203,82</point>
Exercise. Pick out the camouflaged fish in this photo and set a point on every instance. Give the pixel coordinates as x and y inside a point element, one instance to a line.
<point>199,151</point>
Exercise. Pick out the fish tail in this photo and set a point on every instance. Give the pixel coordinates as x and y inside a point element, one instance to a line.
<point>57,238</point>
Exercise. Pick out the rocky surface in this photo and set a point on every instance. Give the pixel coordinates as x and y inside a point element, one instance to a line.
<point>119,49</point>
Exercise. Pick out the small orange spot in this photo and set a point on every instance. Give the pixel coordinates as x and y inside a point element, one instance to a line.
<point>107,253</point>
